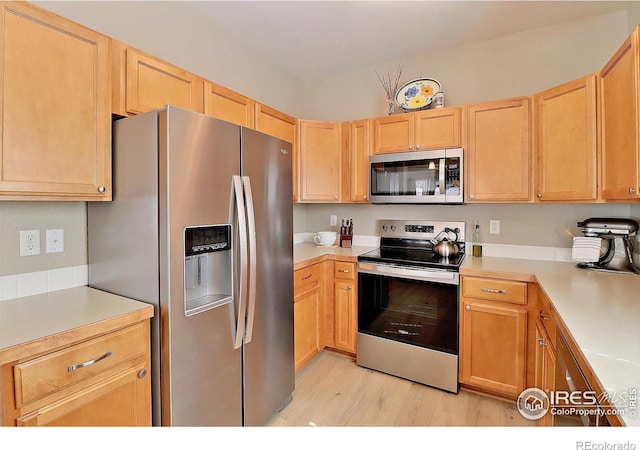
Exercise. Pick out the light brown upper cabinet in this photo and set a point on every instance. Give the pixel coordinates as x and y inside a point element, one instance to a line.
<point>619,122</point>
<point>425,130</point>
<point>359,149</point>
<point>275,123</point>
<point>498,156</point>
<point>567,144</point>
<point>145,83</point>
<point>56,108</point>
<point>320,161</point>
<point>225,104</point>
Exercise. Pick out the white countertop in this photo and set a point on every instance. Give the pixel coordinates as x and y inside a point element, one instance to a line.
<point>310,252</point>
<point>28,319</point>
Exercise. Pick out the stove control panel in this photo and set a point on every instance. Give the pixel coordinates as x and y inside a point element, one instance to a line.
<point>418,229</point>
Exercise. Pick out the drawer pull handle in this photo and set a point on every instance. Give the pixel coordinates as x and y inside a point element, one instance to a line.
<point>90,362</point>
<point>543,315</point>
<point>541,342</point>
<point>307,277</point>
<point>494,291</point>
<point>344,270</point>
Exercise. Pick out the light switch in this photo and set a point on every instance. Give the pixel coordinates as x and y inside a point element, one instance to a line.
<point>55,241</point>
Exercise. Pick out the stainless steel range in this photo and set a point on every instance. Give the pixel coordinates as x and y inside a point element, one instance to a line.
<point>408,302</point>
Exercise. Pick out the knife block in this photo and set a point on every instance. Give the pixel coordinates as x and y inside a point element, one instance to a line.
<point>345,240</point>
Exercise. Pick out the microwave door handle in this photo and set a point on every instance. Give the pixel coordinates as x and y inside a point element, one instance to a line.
<point>243,250</point>
<point>251,227</point>
<point>441,176</point>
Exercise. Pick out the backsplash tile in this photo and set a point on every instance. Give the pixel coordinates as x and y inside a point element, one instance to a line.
<point>32,283</point>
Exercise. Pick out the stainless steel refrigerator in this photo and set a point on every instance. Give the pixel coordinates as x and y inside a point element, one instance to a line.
<point>200,226</point>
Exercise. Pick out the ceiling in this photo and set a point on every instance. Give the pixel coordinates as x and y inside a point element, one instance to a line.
<point>316,39</point>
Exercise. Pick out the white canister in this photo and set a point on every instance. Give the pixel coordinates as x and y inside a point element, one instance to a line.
<point>438,99</point>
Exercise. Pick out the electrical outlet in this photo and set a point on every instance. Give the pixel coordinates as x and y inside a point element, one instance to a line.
<point>29,242</point>
<point>333,220</point>
<point>494,227</point>
<point>55,241</point>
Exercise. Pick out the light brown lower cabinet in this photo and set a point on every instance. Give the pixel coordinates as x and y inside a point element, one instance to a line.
<point>307,320</point>
<point>545,363</point>
<point>325,309</point>
<point>493,335</point>
<point>103,381</point>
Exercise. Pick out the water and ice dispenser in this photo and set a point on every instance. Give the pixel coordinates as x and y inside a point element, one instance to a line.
<point>208,281</point>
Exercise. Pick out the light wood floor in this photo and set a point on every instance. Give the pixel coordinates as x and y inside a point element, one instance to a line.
<point>331,390</point>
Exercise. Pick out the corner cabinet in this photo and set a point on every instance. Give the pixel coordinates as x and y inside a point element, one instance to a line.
<point>493,335</point>
<point>56,108</point>
<point>499,156</point>
<point>567,144</point>
<point>620,122</point>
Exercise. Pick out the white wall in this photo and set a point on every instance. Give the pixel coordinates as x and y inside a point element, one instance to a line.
<point>514,65</point>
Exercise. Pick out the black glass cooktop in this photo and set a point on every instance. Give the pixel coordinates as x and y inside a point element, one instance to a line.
<point>411,256</point>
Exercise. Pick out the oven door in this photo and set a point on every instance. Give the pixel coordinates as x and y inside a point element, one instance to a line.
<point>413,306</point>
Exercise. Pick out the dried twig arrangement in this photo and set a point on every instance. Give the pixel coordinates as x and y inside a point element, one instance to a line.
<point>390,87</point>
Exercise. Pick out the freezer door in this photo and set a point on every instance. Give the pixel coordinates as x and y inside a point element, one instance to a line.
<point>269,376</point>
<point>201,370</point>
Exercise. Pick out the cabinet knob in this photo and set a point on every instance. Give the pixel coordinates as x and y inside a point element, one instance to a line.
<point>411,147</point>
<point>539,195</point>
<point>472,196</point>
<point>102,189</point>
<point>142,373</point>
<point>632,190</point>
<point>349,288</point>
<point>335,197</point>
<point>417,147</point>
<point>468,307</point>
<point>364,197</point>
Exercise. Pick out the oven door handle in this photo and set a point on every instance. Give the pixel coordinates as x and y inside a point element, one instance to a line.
<point>437,276</point>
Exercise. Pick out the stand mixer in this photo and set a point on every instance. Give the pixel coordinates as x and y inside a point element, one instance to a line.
<point>617,247</point>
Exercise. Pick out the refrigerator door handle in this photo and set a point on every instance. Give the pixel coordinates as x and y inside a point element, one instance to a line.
<point>251,226</point>
<point>243,251</point>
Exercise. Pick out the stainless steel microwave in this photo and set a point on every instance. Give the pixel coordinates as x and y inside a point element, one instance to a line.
<point>427,176</point>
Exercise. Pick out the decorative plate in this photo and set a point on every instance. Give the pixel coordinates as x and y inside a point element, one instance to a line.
<point>417,93</point>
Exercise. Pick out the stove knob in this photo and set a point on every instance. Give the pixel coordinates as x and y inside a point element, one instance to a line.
<point>385,227</point>
<point>393,228</point>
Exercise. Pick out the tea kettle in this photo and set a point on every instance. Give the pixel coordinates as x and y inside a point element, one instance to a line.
<point>443,246</point>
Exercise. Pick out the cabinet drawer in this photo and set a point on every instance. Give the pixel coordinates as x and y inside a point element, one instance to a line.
<point>307,278</point>
<point>48,374</point>
<point>344,270</point>
<point>499,290</point>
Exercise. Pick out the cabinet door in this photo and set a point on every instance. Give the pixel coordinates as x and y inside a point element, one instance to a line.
<point>393,133</point>
<point>121,400</point>
<point>499,153</point>
<point>345,315</point>
<point>56,108</point>
<point>152,84</point>
<point>438,128</point>
<point>306,326</point>
<point>275,123</point>
<point>359,151</point>
<point>493,347</point>
<point>320,161</point>
<point>619,122</point>
<point>566,142</point>
<point>225,104</point>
